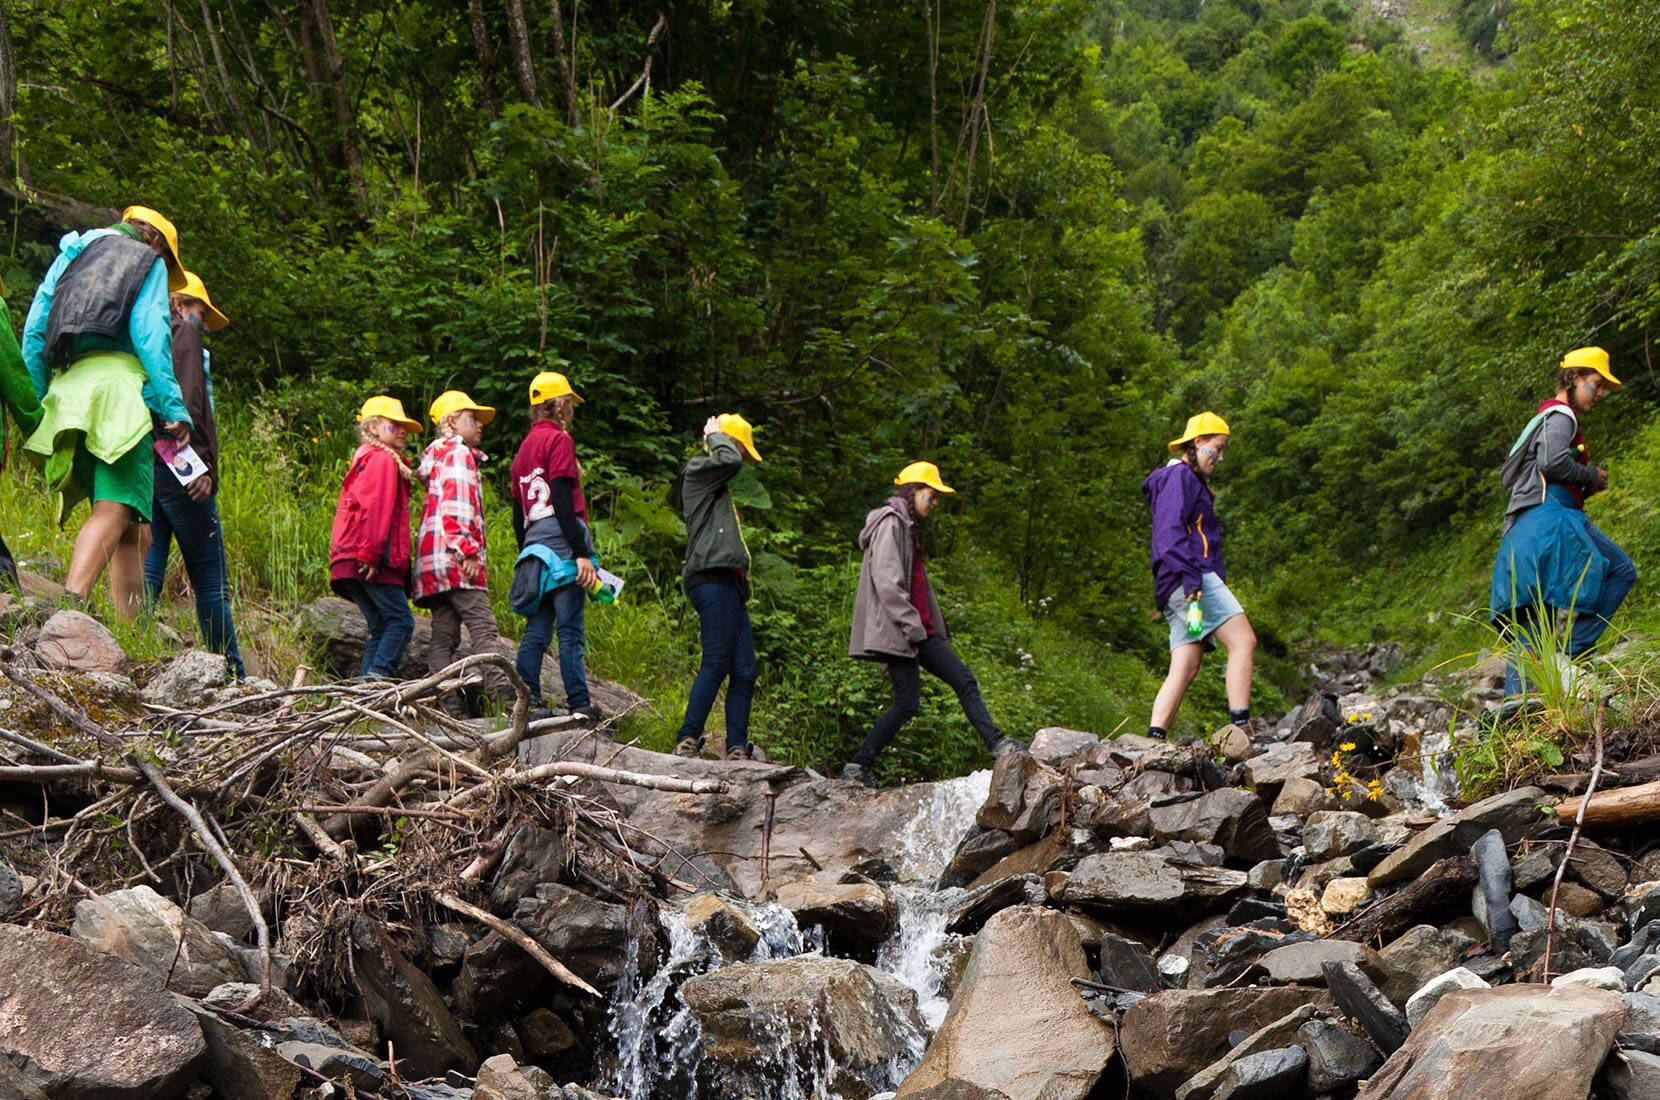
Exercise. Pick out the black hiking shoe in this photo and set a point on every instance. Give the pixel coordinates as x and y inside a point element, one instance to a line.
<point>1004,745</point>
<point>689,747</point>
<point>860,774</point>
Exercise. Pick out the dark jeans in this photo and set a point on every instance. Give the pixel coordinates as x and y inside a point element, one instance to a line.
<point>385,609</point>
<point>937,656</point>
<point>728,655</point>
<point>195,525</point>
<point>1589,623</point>
<point>560,610</point>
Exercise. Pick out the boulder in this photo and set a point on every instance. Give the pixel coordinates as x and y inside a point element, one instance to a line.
<point>188,680</point>
<point>84,1025</point>
<point>220,909</point>
<point>1342,896</point>
<point>970,914</point>
<point>1330,834</point>
<point>1336,1058</point>
<point>1053,744</point>
<point>1304,963</point>
<point>1127,964</point>
<point>1231,818</point>
<point>1052,1048</point>
<point>75,640</point>
<point>1300,796</point>
<point>409,1009</point>
<point>1148,884</point>
<point>533,855</point>
<point>1494,1044</point>
<point>1170,1036</point>
<point>1611,978</point>
<point>1034,859</point>
<point>1271,770</point>
<point>1430,994</point>
<point>238,1066</point>
<point>1024,799</point>
<point>497,978</point>
<point>982,848</point>
<point>1416,956</point>
<point>856,916</point>
<point>143,927</point>
<point>1631,1075</point>
<point>586,934</point>
<point>544,1034</point>
<point>727,928</point>
<point>501,1078</point>
<point>1515,814</point>
<point>275,1005</point>
<point>1361,1000</point>
<point>1233,744</point>
<point>1270,1075</point>
<point>1209,1081</point>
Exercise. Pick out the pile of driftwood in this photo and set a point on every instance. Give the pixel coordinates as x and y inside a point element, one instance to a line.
<point>334,800</point>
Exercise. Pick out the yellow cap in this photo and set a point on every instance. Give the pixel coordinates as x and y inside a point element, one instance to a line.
<point>741,430</point>
<point>389,407</point>
<point>1206,423</point>
<point>550,384</point>
<point>193,288</point>
<point>1592,358</point>
<point>923,473</point>
<point>454,401</point>
<point>175,269</point>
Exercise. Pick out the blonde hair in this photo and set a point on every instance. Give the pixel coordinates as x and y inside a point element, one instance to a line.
<point>368,429</point>
<point>446,424</point>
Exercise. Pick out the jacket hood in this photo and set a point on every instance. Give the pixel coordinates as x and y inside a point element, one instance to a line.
<point>1162,476</point>
<point>893,506</point>
<point>71,243</point>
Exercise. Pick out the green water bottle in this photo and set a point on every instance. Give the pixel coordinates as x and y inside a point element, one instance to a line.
<point>602,592</point>
<point>1195,619</point>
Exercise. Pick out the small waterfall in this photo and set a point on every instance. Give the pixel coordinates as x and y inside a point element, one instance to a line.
<point>655,1037</point>
<point>1440,779</point>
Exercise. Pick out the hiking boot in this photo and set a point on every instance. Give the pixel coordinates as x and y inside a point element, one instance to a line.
<point>539,711</point>
<point>1004,745</point>
<point>740,752</point>
<point>859,774</point>
<point>689,747</point>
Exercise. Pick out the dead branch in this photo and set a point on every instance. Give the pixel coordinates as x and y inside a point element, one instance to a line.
<point>1573,839</point>
<point>531,947</point>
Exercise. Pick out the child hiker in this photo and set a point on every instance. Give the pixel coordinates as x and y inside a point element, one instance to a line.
<point>369,549</point>
<point>1189,577</point>
<point>897,620</point>
<point>451,577</point>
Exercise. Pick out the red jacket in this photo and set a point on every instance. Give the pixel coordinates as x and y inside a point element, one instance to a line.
<point>371,521</point>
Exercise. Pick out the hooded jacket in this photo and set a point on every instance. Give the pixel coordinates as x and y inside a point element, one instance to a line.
<point>1187,537</point>
<point>17,393</point>
<point>1549,450</point>
<point>702,495</point>
<point>371,521</point>
<point>885,621</point>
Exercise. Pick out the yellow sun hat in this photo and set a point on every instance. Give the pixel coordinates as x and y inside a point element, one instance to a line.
<point>1592,358</point>
<point>175,269</point>
<point>1206,423</point>
<point>454,401</point>
<point>923,473</point>
<point>550,384</point>
<point>389,407</point>
<point>741,430</point>
<point>194,288</point>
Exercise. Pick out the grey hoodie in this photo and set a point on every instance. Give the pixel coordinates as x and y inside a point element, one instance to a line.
<point>1543,453</point>
<point>885,623</point>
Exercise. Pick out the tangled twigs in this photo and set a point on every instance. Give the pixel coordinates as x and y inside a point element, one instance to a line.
<point>1573,838</point>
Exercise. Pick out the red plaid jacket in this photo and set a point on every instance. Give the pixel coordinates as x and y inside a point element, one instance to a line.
<point>452,520</point>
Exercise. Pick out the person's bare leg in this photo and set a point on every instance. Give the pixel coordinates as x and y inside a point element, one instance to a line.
<point>1241,641</point>
<point>95,544</point>
<point>1184,666</point>
<point>127,570</point>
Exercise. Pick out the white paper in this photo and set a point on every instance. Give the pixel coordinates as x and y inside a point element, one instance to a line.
<point>182,459</point>
<point>610,580</point>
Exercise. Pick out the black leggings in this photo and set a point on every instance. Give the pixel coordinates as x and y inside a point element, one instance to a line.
<point>936,655</point>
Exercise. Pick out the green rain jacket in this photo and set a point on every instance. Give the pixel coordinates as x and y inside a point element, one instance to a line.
<point>17,392</point>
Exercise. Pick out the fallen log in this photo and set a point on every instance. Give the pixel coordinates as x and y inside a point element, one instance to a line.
<point>1615,808</point>
<point>1446,885</point>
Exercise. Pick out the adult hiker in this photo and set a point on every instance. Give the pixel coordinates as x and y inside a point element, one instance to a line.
<point>369,546</point>
<point>1190,580</point>
<point>716,578</point>
<point>1551,555</point>
<point>17,395</point>
<point>897,620</point>
<point>555,570</point>
<point>189,513</point>
<point>98,347</point>
<point>451,574</point>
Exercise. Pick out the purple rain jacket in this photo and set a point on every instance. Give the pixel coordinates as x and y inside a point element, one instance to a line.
<point>1187,538</point>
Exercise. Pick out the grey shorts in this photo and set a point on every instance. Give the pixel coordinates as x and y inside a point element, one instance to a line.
<point>1216,603</point>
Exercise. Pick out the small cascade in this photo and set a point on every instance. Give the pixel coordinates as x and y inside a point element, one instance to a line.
<point>654,1035</point>
<point>1439,778</point>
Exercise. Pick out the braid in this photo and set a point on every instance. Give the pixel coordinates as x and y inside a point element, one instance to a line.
<point>404,468</point>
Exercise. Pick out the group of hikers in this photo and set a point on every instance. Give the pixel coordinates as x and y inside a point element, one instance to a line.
<point>113,385</point>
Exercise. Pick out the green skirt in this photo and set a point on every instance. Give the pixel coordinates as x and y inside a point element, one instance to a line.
<point>94,435</point>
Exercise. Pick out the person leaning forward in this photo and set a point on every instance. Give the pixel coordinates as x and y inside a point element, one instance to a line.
<point>17,394</point>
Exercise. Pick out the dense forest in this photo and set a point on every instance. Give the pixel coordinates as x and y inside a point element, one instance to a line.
<point>1021,238</point>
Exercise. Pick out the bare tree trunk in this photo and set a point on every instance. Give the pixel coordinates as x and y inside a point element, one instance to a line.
<point>216,36</point>
<point>485,50</point>
<point>563,62</point>
<point>518,41</point>
<point>8,97</point>
<point>329,65</point>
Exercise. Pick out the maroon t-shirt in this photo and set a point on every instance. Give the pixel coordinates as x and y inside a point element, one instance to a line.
<point>1578,444</point>
<point>547,453</point>
<point>919,592</point>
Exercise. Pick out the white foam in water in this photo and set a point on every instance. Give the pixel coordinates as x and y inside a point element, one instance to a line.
<point>1440,780</point>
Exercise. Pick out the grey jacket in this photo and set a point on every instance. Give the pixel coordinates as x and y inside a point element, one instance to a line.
<point>1544,452</point>
<point>885,624</point>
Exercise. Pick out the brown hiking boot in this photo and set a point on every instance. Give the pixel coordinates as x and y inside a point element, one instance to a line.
<point>740,752</point>
<point>689,747</point>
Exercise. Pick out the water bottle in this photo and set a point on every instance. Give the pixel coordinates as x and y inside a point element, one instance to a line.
<point>602,592</point>
<point>1195,619</point>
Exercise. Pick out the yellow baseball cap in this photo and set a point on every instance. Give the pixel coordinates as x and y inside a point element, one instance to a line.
<point>454,401</point>
<point>550,384</point>
<point>923,473</point>
<point>175,269</point>
<point>1592,358</point>
<point>1206,423</point>
<point>389,407</point>
<point>194,288</point>
<point>741,430</point>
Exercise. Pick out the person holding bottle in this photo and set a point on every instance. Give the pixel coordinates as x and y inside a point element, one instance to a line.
<point>1190,580</point>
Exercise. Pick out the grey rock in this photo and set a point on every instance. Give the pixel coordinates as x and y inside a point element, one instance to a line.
<point>1304,963</point>
<point>75,640</point>
<point>1493,889</point>
<point>1611,978</point>
<point>497,978</point>
<point>588,935</point>
<point>1266,1076</point>
<point>1631,1075</point>
<point>1331,834</point>
<point>971,913</point>
<point>1430,994</point>
<point>1230,818</point>
<point>188,680</point>
<point>533,855</point>
<point>141,926</point>
<point>1270,771</point>
<point>1361,1000</point>
<point>402,1000</point>
<point>1642,1014</point>
<point>220,909</point>
<point>1197,853</point>
<point>11,890</point>
<point>275,1005</point>
<point>727,927</point>
<point>1577,944</point>
<point>1300,796</point>
<point>1266,875</point>
<point>1207,1082</point>
<point>982,848</point>
<point>1336,1058</point>
<point>856,916</point>
<point>1514,814</point>
<point>238,1066</point>
<point>1128,964</point>
<point>1053,744</point>
<point>1148,884</point>
<point>1168,1037</point>
<point>337,1062</point>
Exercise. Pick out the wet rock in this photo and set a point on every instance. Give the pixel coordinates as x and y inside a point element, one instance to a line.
<point>1053,744</point>
<point>1517,1040</point>
<point>1493,889</point>
<point>982,848</point>
<point>1172,1035</point>
<point>533,855</point>
<point>188,680</point>
<point>543,1034</point>
<point>1051,1049</point>
<point>1209,1081</point>
<point>1361,1000</point>
<point>1266,1076</point>
<point>1329,834</point>
<point>403,1001</point>
<point>1300,796</point>
<point>1230,818</point>
<point>75,640</point>
<point>588,935</point>
<point>84,1025</point>
<point>856,916</point>
<point>143,927</point>
<point>1431,992</point>
<point>1336,1058</point>
<point>1304,963</point>
<point>1024,798</point>
<point>723,924</point>
<point>1514,814</point>
<point>1128,964</point>
<point>1148,884</point>
<point>1270,771</point>
<point>496,978</point>
<point>237,1066</point>
<point>1034,859</point>
<point>973,911</point>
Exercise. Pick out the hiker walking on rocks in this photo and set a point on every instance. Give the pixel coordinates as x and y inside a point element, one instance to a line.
<point>99,351</point>
<point>1551,555</point>
<point>189,512</point>
<point>897,620</point>
<point>369,549</point>
<point>716,577</point>
<point>17,395</point>
<point>555,569</point>
<point>1190,579</point>
<point>451,575</point>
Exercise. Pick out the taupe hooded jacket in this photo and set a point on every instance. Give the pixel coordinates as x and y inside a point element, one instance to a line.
<point>885,624</point>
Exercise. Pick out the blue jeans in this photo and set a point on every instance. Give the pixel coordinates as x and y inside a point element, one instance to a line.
<point>391,624</point>
<point>561,610</point>
<point>1590,622</point>
<point>195,525</point>
<point>728,655</point>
